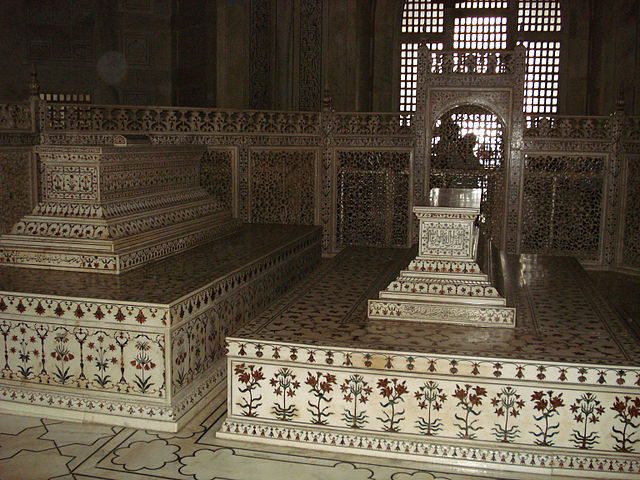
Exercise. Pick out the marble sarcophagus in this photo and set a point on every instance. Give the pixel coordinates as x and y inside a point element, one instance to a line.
<point>446,282</point>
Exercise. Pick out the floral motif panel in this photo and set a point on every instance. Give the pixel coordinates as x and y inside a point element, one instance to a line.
<point>283,186</point>
<point>563,204</point>
<point>373,197</point>
<point>100,359</point>
<point>517,415</point>
<point>15,186</point>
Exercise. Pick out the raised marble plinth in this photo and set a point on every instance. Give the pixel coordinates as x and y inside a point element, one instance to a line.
<point>556,395</point>
<point>445,282</point>
<point>145,348</point>
<point>112,209</point>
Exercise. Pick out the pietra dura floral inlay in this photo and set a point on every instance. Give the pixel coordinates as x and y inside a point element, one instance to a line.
<point>147,345</point>
<point>559,392</point>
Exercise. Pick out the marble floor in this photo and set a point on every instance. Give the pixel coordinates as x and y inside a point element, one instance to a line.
<point>39,449</point>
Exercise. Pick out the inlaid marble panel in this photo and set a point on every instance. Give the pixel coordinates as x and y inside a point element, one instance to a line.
<point>216,175</point>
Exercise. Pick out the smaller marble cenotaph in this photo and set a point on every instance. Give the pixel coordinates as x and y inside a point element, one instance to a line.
<point>445,282</point>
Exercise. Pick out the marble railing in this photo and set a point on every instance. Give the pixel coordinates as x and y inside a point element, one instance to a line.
<point>139,119</point>
<point>632,129</point>
<point>629,250</point>
<point>471,62</point>
<point>570,127</point>
<point>350,171</point>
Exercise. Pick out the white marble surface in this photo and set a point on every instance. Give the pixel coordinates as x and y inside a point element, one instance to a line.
<point>36,449</point>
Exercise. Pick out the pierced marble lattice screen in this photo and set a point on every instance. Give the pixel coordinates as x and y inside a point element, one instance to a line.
<point>15,186</point>
<point>562,205</point>
<point>467,149</point>
<point>631,245</point>
<point>216,175</point>
<point>372,197</point>
<point>282,186</point>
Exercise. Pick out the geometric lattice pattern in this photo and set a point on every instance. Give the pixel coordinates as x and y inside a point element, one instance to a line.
<point>467,137</point>
<point>539,16</point>
<point>283,186</point>
<point>480,33</point>
<point>216,175</point>
<point>372,197</point>
<point>484,26</point>
<point>563,205</point>
<point>541,79</point>
<point>422,17</point>
<point>631,249</point>
<point>409,74</point>
<point>483,4</point>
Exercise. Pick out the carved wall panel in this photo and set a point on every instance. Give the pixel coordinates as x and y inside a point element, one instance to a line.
<point>260,39</point>
<point>631,228</point>
<point>15,186</point>
<point>563,205</point>
<point>217,175</point>
<point>373,197</point>
<point>310,89</point>
<point>283,185</point>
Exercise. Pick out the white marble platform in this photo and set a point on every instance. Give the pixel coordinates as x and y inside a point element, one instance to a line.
<point>445,282</point>
<point>554,395</point>
<point>144,348</point>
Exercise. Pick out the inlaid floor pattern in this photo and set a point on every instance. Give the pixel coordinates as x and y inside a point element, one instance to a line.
<point>39,449</point>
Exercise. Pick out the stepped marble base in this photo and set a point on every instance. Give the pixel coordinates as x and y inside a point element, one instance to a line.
<point>557,394</point>
<point>445,282</point>
<point>142,349</point>
<point>420,311</point>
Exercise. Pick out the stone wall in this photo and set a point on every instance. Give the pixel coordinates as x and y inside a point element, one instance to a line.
<point>115,52</point>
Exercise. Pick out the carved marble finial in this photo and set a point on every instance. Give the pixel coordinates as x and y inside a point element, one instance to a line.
<point>34,84</point>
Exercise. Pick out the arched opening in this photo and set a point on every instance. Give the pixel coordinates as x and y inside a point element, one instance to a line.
<point>468,151</point>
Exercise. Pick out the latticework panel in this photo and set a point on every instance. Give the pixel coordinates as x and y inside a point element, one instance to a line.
<point>372,197</point>
<point>282,186</point>
<point>631,250</point>
<point>480,33</point>
<point>563,205</point>
<point>542,77</point>
<point>409,74</point>
<point>216,175</point>
<point>467,150</point>
<point>419,16</point>
<point>539,16</point>
<point>15,187</point>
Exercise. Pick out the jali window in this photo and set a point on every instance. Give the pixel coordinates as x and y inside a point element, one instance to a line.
<point>489,26</point>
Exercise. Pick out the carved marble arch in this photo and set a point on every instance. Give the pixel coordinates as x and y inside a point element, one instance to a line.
<point>467,145</point>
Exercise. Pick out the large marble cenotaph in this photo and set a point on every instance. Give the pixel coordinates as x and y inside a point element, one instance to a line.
<point>446,283</point>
